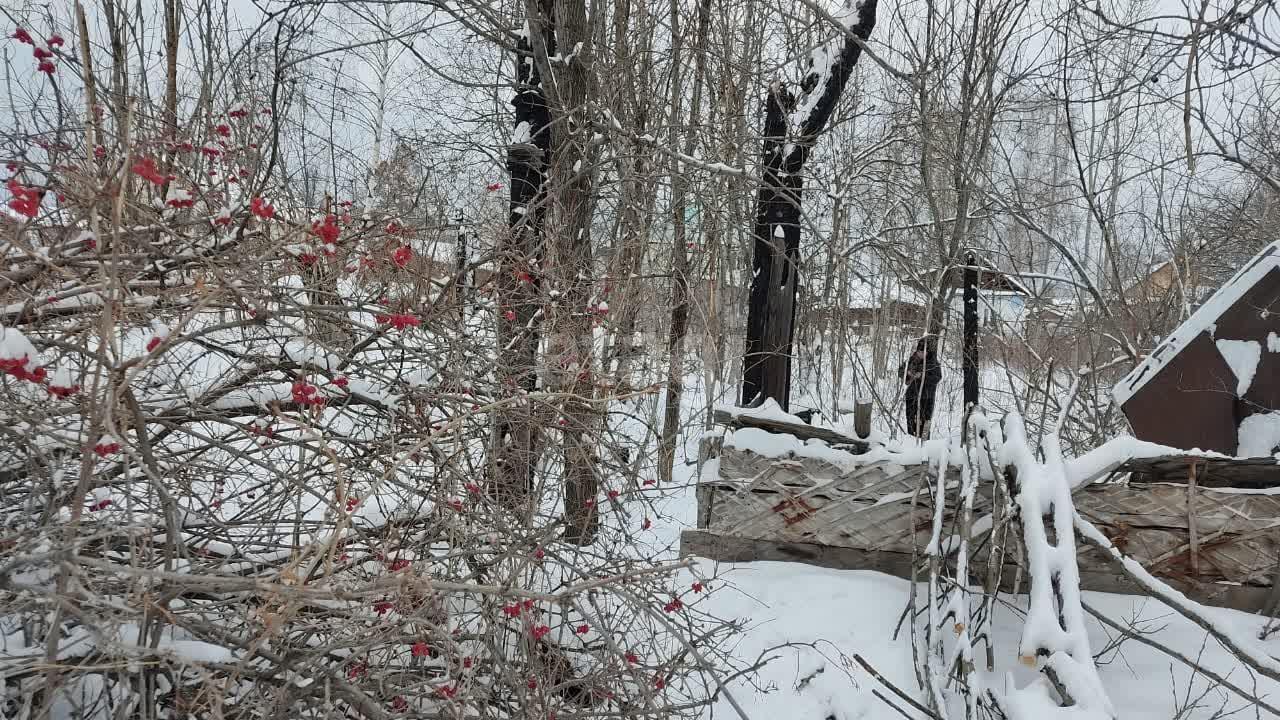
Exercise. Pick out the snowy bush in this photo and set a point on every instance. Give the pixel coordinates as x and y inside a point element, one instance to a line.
<point>244,467</point>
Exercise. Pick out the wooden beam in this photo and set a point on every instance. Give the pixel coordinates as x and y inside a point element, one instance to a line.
<point>800,430</point>
<point>1246,473</point>
<point>729,548</point>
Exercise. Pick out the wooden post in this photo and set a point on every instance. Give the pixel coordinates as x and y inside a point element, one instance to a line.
<point>788,140</point>
<point>1192,531</point>
<point>862,419</point>
<point>970,352</point>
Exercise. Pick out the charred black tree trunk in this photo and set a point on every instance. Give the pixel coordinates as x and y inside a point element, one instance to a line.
<point>789,136</point>
<point>970,359</point>
<point>516,436</point>
<point>460,261</point>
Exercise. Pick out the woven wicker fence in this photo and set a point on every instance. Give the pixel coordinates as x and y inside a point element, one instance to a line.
<point>1218,546</point>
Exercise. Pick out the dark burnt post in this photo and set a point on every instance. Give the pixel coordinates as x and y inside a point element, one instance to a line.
<point>791,127</point>
<point>461,260</point>
<point>970,357</point>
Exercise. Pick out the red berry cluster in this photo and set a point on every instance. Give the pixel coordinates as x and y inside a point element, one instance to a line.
<point>399,321</point>
<point>26,200</point>
<point>306,394</point>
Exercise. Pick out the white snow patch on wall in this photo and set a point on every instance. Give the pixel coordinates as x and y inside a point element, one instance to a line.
<point>1242,357</point>
<point>1259,435</point>
<point>1273,342</point>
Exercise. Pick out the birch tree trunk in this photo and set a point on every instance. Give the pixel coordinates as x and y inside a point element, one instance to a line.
<point>633,46</point>
<point>679,249</point>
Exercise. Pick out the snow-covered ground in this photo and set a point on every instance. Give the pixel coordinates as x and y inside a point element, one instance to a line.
<point>802,626</point>
<point>812,621</point>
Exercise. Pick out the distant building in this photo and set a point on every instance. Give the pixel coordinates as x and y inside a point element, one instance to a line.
<point>885,302</point>
<point>1214,382</point>
<point>1168,279</point>
<point>1002,297</point>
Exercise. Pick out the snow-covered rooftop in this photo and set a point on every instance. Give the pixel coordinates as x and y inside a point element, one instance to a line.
<point>1200,321</point>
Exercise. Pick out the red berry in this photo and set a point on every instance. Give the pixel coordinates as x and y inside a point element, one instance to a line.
<point>262,208</point>
<point>402,256</point>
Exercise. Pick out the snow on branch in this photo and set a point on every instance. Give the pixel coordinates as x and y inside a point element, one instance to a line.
<point>1055,627</point>
<point>1241,644</point>
<point>827,70</point>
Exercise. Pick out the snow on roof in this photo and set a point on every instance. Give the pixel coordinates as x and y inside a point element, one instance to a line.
<point>989,277</point>
<point>1200,321</point>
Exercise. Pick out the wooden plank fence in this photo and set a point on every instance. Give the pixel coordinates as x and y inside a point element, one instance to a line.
<point>1218,546</point>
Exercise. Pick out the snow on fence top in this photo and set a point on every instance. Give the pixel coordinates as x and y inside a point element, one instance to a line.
<point>1200,321</point>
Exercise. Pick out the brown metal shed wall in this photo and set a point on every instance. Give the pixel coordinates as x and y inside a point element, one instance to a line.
<point>1190,403</point>
<point>1252,318</point>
